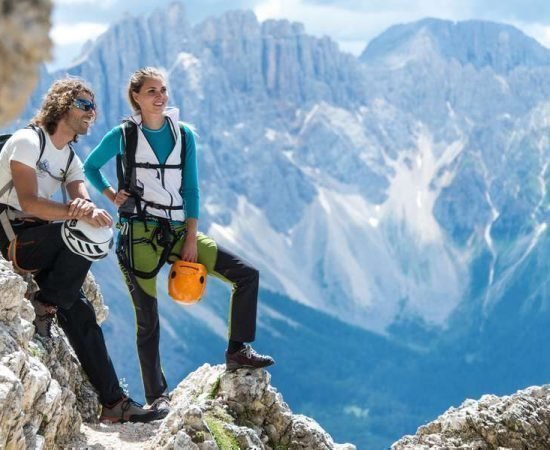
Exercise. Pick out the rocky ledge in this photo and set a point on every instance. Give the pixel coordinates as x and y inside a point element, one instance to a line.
<point>214,409</point>
<point>519,421</point>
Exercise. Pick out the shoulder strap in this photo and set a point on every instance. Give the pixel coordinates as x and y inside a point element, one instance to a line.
<point>69,161</point>
<point>42,139</point>
<point>64,175</point>
<point>127,161</point>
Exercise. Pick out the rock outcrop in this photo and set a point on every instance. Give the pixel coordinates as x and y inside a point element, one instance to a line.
<point>518,421</point>
<point>213,409</point>
<point>44,396</point>
<point>25,44</point>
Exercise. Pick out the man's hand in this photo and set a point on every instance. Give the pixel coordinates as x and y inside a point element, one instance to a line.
<point>99,218</point>
<point>79,207</point>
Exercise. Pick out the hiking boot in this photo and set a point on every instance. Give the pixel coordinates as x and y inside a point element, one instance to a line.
<point>160,404</point>
<point>127,410</point>
<point>45,314</point>
<point>246,357</point>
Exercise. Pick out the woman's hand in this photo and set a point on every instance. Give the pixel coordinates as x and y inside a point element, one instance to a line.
<point>121,197</point>
<point>189,249</point>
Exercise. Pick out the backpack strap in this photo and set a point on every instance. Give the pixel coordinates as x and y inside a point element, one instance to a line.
<point>42,140</point>
<point>127,161</point>
<point>65,173</point>
<point>126,170</point>
<point>41,137</point>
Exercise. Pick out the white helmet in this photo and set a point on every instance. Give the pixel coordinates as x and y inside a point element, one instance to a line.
<point>90,242</point>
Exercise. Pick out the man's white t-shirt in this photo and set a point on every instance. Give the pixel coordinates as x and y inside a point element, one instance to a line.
<point>24,147</point>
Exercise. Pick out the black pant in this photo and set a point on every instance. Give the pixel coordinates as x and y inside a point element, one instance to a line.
<point>60,274</point>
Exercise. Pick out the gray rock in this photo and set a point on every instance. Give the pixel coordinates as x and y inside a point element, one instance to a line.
<point>239,408</point>
<point>44,395</point>
<point>518,421</point>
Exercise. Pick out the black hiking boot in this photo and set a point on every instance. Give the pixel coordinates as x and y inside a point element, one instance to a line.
<point>127,410</point>
<point>246,357</point>
<point>45,314</point>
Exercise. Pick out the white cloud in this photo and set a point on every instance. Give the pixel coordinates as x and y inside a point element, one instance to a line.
<point>76,33</point>
<point>354,28</point>
<point>539,32</point>
<point>97,3</point>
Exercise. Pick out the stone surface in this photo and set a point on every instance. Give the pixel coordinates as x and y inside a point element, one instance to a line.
<point>44,395</point>
<point>241,405</point>
<point>518,421</point>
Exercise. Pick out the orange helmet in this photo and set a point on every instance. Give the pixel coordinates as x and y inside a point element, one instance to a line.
<point>186,282</point>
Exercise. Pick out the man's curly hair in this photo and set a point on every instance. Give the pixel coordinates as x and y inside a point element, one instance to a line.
<point>58,101</point>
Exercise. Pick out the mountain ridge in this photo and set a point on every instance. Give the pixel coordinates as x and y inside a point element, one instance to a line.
<point>408,200</point>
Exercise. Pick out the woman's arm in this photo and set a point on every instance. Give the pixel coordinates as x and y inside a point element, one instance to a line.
<point>190,182</point>
<point>190,194</point>
<point>109,147</point>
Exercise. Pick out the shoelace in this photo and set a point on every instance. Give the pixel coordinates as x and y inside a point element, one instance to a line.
<point>250,352</point>
<point>160,403</point>
<point>126,405</point>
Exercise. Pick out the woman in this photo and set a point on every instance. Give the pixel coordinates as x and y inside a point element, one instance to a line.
<point>158,201</point>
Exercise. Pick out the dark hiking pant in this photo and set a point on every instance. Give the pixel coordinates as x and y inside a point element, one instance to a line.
<point>144,251</point>
<point>59,273</point>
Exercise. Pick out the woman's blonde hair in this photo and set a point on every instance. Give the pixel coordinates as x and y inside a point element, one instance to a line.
<point>136,82</point>
<point>58,101</point>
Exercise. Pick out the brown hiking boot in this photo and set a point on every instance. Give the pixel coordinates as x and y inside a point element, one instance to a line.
<point>127,410</point>
<point>45,314</point>
<point>246,357</point>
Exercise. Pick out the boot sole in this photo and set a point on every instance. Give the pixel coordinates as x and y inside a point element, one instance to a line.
<point>232,366</point>
<point>142,418</point>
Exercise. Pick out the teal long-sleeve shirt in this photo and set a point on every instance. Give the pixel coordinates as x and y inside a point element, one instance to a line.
<point>162,143</point>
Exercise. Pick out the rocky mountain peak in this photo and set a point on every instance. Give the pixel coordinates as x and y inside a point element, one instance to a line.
<point>479,43</point>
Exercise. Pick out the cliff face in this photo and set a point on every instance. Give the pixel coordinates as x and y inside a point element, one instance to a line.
<point>25,44</point>
<point>44,395</point>
<point>518,421</point>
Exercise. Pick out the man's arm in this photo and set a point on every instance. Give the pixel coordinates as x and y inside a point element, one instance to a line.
<point>26,187</point>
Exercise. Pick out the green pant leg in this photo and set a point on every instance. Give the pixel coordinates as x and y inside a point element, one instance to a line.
<point>243,279</point>
<point>207,254</point>
<point>145,257</point>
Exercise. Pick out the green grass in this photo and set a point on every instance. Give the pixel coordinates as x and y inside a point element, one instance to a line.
<point>215,388</point>
<point>224,439</point>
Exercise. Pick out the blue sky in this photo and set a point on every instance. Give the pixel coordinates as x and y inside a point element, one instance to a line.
<point>352,23</point>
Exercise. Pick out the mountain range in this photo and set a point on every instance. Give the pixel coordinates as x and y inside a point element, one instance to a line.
<point>395,203</point>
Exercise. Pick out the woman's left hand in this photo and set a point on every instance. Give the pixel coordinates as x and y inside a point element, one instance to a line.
<point>189,249</point>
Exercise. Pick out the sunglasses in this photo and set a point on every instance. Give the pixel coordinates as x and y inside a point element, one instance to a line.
<point>84,105</point>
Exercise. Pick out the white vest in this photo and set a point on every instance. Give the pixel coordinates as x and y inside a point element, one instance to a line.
<point>160,186</point>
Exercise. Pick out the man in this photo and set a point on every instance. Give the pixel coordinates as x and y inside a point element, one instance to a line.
<point>34,163</point>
